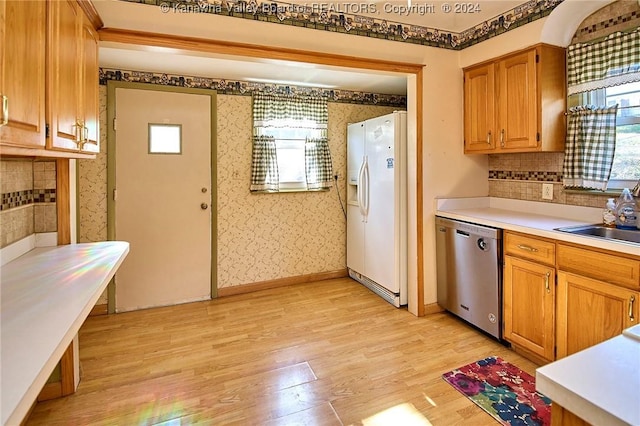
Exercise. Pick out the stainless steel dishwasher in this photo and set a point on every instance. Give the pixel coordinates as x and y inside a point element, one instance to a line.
<point>469,273</point>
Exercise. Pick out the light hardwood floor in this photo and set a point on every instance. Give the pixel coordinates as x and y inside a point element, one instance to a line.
<point>324,353</point>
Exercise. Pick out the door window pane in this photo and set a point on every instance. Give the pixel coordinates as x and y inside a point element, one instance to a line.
<point>165,138</point>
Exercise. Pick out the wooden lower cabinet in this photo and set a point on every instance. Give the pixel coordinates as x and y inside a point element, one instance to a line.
<point>529,304</point>
<point>591,311</point>
<point>563,417</point>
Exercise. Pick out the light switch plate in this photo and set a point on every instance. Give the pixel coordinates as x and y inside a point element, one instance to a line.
<point>547,191</point>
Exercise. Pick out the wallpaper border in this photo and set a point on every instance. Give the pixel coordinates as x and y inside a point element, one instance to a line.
<point>330,17</point>
<point>245,88</point>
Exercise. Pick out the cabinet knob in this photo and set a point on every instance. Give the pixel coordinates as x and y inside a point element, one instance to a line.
<point>631,300</point>
<point>502,138</point>
<point>489,137</point>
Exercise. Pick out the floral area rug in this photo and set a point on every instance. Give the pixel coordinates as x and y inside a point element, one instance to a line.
<point>502,390</point>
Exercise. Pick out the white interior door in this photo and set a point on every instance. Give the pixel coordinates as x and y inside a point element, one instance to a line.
<point>163,202</point>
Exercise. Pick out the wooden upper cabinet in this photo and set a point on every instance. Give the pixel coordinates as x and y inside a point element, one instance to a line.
<point>529,101</point>
<point>479,115</point>
<point>517,106</point>
<point>90,78</point>
<point>22,73</point>
<point>72,89</point>
<point>63,85</point>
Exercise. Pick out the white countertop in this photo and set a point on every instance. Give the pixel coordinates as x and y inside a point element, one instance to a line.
<point>534,218</point>
<point>600,384</point>
<point>46,294</point>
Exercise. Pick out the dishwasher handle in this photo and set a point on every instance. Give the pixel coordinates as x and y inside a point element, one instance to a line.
<point>463,233</point>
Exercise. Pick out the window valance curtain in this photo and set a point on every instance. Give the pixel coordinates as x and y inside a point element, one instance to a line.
<point>609,62</point>
<point>590,146</point>
<point>290,111</point>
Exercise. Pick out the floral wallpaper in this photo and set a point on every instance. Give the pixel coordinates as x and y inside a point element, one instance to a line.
<point>92,189</point>
<point>355,18</point>
<point>269,236</point>
<point>260,236</point>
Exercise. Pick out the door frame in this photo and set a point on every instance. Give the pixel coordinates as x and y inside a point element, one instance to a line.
<point>111,171</point>
<point>415,77</point>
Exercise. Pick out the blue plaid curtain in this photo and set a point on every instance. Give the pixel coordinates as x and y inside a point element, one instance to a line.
<point>318,164</point>
<point>590,146</point>
<point>264,167</point>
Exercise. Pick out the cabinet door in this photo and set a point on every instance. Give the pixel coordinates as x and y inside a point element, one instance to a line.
<point>591,311</point>
<point>22,73</point>
<point>89,99</point>
<point>479,109</point>
<point>63,89</point>
<point>529,303</point>
<point>517,101</point>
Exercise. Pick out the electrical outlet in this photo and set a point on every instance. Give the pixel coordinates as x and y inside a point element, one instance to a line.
<point>547,191</point>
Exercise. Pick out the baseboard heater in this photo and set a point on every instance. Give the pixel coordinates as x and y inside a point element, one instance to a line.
<point>393,298</point>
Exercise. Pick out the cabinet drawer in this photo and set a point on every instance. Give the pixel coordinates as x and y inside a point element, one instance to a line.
<point>606,267</point>
<point>531,248</point>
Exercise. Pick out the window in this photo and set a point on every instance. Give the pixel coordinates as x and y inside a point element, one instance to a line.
<point>290,148</point>
<point>625,170</point>
<point>290,137</point>
<point>603,130</point>
<point>165,138</point>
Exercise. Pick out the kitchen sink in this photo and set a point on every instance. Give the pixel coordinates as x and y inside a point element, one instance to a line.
<point>604,232</point>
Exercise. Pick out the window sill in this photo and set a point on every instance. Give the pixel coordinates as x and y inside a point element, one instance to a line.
<point>284,191</point>
<point>613,192</point>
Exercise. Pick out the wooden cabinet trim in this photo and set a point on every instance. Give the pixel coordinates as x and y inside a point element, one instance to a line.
<point>514,53</point>
<point>600,265</point>
<point>537,249</point>
<point>91,13</point>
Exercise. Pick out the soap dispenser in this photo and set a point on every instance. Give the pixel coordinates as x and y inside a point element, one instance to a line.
<point>609,214</point>
<point>626,211</point>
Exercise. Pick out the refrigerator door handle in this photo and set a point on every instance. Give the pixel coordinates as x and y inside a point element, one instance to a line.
<point>365,195</point>
<point>361,188</point>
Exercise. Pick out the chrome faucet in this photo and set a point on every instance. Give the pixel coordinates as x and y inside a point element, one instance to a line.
<point>636,190</point>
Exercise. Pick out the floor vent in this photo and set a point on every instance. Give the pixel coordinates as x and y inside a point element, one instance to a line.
<point>390,297</point>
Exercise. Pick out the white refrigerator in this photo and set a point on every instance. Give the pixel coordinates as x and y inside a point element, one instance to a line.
<point>377,205</point>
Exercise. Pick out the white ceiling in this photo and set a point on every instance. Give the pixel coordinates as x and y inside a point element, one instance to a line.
<point>427,14</point>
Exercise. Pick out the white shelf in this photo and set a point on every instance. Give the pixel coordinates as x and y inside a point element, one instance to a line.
<point>46,294</point>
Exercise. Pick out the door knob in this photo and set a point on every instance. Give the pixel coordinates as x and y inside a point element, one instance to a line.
<point>204,206</point>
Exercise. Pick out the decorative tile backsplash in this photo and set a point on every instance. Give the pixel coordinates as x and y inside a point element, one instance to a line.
<point>526,175</point>
<point>27,199</point>
<point>520,177</point>
<point>344,18</point>
<point>617,16</point>
<point>12,200</point>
